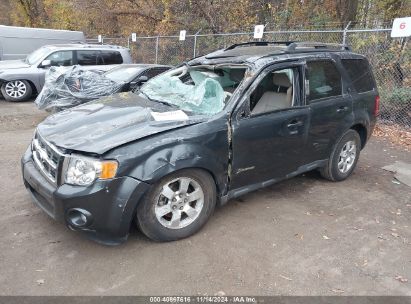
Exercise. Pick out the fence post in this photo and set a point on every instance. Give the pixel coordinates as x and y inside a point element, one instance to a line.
<point>345,32</point>
<point>195,43</point>
<point>157,50</point>
<point>128,42</point>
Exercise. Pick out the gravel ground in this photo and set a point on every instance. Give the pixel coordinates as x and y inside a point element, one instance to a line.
<point>304,236</point>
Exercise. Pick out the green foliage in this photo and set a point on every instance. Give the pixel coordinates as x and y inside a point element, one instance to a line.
<point>396,96</point>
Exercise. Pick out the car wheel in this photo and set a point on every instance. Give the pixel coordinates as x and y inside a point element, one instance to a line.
<point>16,90</point>
<point>343,158</point>
<point>177,206</point>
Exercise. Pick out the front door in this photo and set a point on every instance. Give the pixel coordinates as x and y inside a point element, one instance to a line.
<point>269,128</point>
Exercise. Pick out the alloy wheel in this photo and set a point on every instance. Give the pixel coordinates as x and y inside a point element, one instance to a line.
<point>15,89</point>
<point>179,203</point>
<point>347,156</point>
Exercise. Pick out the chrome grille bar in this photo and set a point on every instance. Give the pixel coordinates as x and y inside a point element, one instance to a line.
<point>46,158</point>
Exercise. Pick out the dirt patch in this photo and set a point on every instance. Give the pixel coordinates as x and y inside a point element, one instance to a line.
<point>19,116</point>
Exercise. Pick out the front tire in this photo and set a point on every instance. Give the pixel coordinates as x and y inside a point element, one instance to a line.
<point>343,158</point>
<point>177,206</point>
<point>16,90</point>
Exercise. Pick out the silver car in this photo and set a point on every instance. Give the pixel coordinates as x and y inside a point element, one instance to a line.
<point>21,79</point>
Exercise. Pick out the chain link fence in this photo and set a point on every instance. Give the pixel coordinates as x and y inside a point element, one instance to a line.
<point>389,57</point>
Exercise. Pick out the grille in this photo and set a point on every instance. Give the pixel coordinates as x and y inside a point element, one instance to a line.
<point>46,158</point>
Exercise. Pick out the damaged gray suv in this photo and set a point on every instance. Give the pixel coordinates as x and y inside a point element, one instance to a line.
<point>210,130</point>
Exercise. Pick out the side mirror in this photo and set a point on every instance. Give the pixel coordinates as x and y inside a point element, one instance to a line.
<point>45,63</point>
<point>141,79</point>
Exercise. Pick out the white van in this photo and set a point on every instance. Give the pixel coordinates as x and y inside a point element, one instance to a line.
<point>18,42</point>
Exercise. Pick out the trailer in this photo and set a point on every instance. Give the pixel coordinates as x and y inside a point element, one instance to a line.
<point>18,42</point>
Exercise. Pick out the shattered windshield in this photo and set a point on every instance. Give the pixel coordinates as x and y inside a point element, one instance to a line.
<point>199,89</point>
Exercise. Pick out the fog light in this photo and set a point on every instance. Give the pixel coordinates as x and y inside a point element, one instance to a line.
<point>79,217</point>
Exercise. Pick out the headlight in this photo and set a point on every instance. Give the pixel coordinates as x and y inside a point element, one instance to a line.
<point>83,171</point>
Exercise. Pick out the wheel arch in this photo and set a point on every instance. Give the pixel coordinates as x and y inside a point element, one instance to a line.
<point>362,131</point>
<point>168,171</point>
<point>34,89</point>
<point>33,86</point>
<point>31,79</point>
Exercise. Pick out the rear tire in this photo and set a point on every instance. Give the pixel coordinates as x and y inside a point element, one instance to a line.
<point>177,206</point>
<point>16,90</point>
<point>343,158</point>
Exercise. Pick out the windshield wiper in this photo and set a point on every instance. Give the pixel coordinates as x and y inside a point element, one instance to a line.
<point>165,103</point>
<point>148,97</point>
<point>159,101</point>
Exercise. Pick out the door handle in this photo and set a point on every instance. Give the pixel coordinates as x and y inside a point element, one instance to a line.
<point>293,126</point>
<point>295,123</point>
<point>342,109</point>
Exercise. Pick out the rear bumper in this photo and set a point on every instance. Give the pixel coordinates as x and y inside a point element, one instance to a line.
<point>109,206</point>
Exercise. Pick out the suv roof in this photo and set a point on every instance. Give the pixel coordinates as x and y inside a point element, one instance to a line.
<point>252,51</point>
<point>84,46</point>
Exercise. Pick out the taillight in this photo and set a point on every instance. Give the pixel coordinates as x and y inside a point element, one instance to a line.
<point>377,106</point>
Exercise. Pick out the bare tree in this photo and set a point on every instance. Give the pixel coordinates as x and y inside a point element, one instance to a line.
<point>346,10</point>
<point>33,12</point>
<point>4,9</point>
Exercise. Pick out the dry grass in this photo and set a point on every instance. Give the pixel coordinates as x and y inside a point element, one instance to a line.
<point>396,134</point>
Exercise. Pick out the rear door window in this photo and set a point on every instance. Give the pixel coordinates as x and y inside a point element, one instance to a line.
<point>324,80</point>
<point>360,74</point>
<point>88,57</point>
<point>111,57</point>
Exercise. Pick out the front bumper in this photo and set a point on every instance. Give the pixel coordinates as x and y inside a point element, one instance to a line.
<point>109,204</point>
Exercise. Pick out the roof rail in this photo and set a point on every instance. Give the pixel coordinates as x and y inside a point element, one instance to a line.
<point>259,43</point>
<point>292,47</point>
<point>95,45</point>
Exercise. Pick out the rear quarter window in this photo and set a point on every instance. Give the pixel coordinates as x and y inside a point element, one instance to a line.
<point>111,57</point>
<point>360,73</point>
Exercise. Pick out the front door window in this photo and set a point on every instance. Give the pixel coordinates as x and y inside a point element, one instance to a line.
<point>274,92</point>
<point>61,58</point>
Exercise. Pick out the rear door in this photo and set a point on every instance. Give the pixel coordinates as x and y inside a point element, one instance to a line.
<point>331,106</point>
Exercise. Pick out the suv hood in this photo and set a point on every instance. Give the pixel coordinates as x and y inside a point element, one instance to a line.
<point>101,125</point>
<point>12,64</point>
